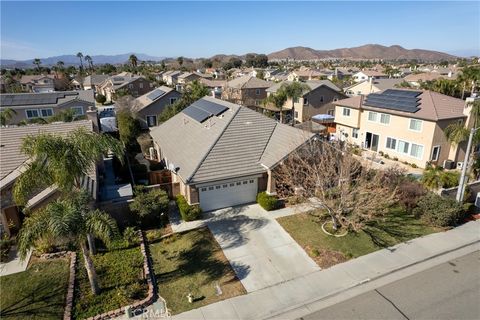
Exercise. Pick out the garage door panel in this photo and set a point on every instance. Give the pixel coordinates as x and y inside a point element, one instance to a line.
<point>228,194</point>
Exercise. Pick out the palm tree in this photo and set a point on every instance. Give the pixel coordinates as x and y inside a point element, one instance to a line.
<point>90,62</point>
<point>80,56</point>
<point>457,132</point>
<point>5,115</point>
<point>69,218</point>
<point>37,62</point>
<point>294,91</point>
<point>469,76</point>
<point>133,61</point>
<point>180,61</point>
<point>278,99</point>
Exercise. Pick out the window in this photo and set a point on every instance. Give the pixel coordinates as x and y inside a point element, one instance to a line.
<point>435,153</point>
<point>239,183</point>
<point>257,92</point>
<point>225,185</point>
<point>151,121</point>
<point>218,187</point>
<point>403,146</point>
<point>32,113</point>
<point>46,112</point>
<point>385,118</point>
<point>391,143</point>
<point>245,182</point>
<point>415,125</point>
<point>140,85</point>
<point>321,98</point>
<point>232,184</point>
<point>251,181</point>
<point>416,151</point>
<point>346,112</point>
<point>331,112</point>
<point>355,132</point>
<point>173,100</point>
<point>210,188</point>
<point>296,114</point>
<point>372,116</point>
<point>305,101</point>
<point>204,189</point>
<point>78,111</point>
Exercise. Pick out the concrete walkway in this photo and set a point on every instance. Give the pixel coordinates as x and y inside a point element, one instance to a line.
<point>14,264</point>
<point>297,293</point>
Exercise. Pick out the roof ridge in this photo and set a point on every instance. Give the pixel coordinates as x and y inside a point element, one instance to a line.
<point>268,141</point>
<point>434,106</point>
<point>213,145</point>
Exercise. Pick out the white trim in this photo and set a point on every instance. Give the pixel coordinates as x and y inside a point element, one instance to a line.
<point>438,153</point>
<point>151,115</point>
<point>51,109</point>
<point>345,109</point>
<point>410,121</point>
<point>26,113</point>
<point>78,107</point>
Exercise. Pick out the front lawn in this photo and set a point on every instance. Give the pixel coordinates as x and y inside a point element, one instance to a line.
<point>37,293</point>
<point>119,272</point>
<point>193,262</point>
<point>327,250</point>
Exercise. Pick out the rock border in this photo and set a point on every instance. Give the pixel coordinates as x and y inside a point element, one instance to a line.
<point>150,277</point>
<point>67,313</point>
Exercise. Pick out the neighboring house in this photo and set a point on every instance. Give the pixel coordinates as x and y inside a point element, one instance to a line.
<point>13,162</point>
<point>151,104</point>
<point>406,124</point>
<point>93,81</point>
<point>131,84</point>
<point>314,101</point>
<point>171,77</point>
<point>269,74</point>
<point>222,154</point>
<point>417,78</point>
<point>38,83</point>
<point>185,78</point>
<point>371,86</point>
<point>30,106</point>
<point>215,86</point>
<point>304,75</point>
<point>367,75</point>
<point>247,91</point>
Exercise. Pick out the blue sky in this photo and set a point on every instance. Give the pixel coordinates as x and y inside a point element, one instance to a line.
<point>201,29</point>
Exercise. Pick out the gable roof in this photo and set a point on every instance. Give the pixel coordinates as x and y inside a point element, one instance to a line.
<point>150,97</point>
<point>95,79</point>
<point>373,73</point>
<point>248,82</point>
<point>433,106</point>
<point>380,84</point>
<point>47,99</point>
<point>239,142</point>
<point>11,158</point>
<point>312,84</point>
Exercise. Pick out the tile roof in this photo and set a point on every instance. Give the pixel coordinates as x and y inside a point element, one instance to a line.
<point>433,107</point>
<point>12,158</point>
<point>50,99</point>
<point>239,142</point>
<point>248,82</point>
<point>145,100</point>
<point>313,84</point>
<point>95,79</point>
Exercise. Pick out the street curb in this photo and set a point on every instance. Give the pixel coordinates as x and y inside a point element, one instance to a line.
<point>336,293</point>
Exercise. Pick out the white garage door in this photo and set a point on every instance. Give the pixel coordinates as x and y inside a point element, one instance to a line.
<point>228,194</point>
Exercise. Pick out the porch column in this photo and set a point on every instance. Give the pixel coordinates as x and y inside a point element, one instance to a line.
<point>271,186</point>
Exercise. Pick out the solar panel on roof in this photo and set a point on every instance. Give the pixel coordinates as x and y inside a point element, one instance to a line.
<point>400,100</point>
<point>210,107</point>
<point>155,94</point>
<point>196,113</point>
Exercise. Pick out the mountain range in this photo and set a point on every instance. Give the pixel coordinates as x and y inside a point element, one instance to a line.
<point>369,51</point>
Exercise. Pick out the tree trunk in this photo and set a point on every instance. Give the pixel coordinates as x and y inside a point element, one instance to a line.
<point>92,274</point>
<point>281,115</point>
<point>463,90</point>
<point>91,244</point>
<point>293,112</point>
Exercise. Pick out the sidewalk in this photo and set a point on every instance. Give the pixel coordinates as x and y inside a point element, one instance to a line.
<point>313,287</point>
<point>15,264</point>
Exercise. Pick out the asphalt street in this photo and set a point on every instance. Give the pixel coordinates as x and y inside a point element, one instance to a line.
<point>450,290</point>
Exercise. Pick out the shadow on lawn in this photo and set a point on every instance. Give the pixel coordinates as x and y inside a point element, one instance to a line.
<point>202,257</point>
<point>395,228</point>
<point>36,303</point>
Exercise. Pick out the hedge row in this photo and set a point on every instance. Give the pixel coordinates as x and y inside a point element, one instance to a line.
<point>267,202</point>
<point>187,211</point>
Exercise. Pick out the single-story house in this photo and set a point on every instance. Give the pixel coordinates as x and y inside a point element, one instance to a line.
<point>150,105</point>
<point>222,154</point>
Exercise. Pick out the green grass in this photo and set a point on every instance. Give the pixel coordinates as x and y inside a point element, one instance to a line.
<point>37,293</point>
<point>192,262</point>
<point>327,250</point>
<point>119,273</point>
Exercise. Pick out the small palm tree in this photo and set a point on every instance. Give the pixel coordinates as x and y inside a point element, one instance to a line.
<point>90,62</point>
<point>37,62</point>
<point>294,91</point>
<point>69,218</point>
<point>457,132</point>
<point>5,115</point>
<point>180,61</point>
<point>133,61</point>
<point>80,56</point>
<point>278,99</point>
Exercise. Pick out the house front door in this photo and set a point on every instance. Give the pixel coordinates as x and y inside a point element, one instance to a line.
<point>371,141</point>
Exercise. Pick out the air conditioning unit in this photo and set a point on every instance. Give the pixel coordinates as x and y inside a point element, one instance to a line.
<point>459,165</point>
<point>448,164</point>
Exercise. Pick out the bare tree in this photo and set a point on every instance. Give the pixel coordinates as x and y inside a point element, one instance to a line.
<point>352,193</point>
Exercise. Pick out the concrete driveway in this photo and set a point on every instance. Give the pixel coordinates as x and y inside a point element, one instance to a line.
<point>260,251</point>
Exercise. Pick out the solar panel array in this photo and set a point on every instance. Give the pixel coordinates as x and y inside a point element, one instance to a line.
<point>10,100</point>
<point>201,110</point>
<point>155,94</point>
<point>400,100</point>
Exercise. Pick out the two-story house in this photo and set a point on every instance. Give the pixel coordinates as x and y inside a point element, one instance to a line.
<point>405,124</point>
<point>30,106</point>
<point>131,84</point>
<point>247,91</point>
<point>367,75</point>
<point>150,105</point>
<point>38,83</point>
<point>371,86</point>
<point>315,100</point>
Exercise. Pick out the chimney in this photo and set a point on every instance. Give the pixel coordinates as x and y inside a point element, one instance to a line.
<point>92,115</point>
